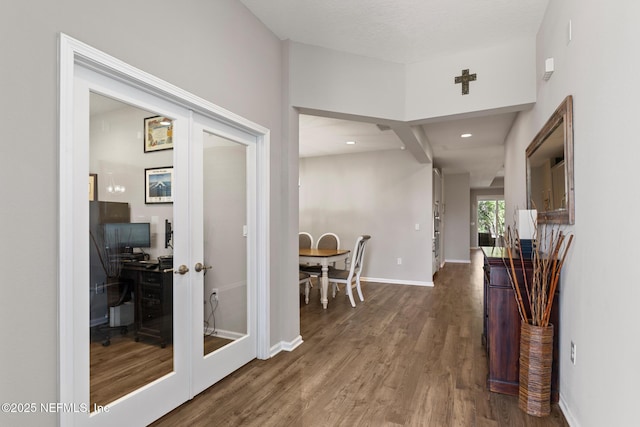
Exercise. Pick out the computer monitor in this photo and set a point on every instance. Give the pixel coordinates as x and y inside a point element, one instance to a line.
<point>124,236</point>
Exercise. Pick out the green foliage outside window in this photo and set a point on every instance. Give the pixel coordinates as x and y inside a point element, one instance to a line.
<point>491,217</point>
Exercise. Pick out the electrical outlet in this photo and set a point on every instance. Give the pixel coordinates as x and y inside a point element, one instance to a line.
<point>399,261</point>
<point>216,294</point>
<point>573,352</point>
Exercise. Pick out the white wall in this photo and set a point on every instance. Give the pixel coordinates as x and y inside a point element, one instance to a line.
<point>599,287</point>
<point>216,50</point>
<point>329,80</point>
<point>505,78</point>
<point>383,194</point>
<point>456,217</point>
<point>325,79</point>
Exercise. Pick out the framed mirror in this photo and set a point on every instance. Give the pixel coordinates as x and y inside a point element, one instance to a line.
<point>550,168</point>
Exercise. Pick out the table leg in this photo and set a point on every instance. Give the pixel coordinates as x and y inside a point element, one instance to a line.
<point>324,290</point>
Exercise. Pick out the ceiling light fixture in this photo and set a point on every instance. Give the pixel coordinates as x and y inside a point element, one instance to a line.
<point>114,188</point>
<point>351,143</point>
<point>465,135</point>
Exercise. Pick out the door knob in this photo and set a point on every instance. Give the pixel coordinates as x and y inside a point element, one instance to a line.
<point>183,269</point>
<point>199,267</point>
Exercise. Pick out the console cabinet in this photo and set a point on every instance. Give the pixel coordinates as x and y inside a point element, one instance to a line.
<point>501,329</point>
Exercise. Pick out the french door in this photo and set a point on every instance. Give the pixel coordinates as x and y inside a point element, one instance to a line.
<point>223,218</point>
<point>203,310</point>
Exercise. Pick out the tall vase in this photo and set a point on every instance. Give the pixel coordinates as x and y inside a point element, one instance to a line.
<point>536,358</point>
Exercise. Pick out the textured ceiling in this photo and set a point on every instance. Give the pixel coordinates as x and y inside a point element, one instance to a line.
<point>401,31</point>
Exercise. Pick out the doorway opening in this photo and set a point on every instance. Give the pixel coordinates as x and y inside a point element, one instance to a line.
<point>490,222</point>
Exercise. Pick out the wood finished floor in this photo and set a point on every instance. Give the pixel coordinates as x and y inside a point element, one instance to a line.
<point>407,356</point>
<point>126,365</point>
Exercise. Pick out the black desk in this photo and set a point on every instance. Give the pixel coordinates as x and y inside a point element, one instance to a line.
<point>153,290</point>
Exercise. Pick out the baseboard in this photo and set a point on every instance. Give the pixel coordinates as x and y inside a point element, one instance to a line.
<point>571,420</point>
<point>396,281</point>
<point>285,346</point>
<point>458,261</point>
<point>221,333</point>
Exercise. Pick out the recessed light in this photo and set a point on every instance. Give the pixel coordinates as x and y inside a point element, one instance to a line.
<point>465,135</point>
<point>351,143</point>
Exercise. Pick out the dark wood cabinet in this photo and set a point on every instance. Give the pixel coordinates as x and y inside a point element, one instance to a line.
<point>154,302</point>
<point>501,329</point>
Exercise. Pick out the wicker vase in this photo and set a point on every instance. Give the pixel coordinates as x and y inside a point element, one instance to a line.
<point>536,357</point>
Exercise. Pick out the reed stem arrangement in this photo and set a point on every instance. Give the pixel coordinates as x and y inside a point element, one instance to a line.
<point>548,256</point>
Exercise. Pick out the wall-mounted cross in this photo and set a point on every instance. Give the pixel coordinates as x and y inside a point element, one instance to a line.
<point>465,78</point>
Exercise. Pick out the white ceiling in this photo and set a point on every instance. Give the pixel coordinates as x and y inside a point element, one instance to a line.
<point>401,31</point>
<point>406,31</point>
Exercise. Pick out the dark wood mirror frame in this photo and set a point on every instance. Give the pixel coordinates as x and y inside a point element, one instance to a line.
<point>553,206</point>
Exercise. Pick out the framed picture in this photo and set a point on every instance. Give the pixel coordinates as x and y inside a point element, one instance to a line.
<point>93,187</point>
<point>158,185</point>
<point>158,134</point>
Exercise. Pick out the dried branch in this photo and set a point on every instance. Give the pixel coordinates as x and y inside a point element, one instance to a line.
<point>554,285</point>
<point>548,258</point>
<point>514,281</point>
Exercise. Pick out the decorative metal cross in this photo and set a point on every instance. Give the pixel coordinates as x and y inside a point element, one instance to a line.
<point>465,78</point>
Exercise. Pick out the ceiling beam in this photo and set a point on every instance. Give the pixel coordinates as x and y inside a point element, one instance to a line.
<point>414,140</point>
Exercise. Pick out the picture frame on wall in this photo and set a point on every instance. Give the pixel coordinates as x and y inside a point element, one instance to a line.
<point>158,185</point>
<point>158,134</point>
<point>93,187</point>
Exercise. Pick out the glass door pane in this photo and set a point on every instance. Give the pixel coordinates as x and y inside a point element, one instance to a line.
<point>225,243</point>
<point>130,291</point>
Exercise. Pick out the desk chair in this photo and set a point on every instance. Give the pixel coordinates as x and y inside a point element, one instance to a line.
<point>351,277</point>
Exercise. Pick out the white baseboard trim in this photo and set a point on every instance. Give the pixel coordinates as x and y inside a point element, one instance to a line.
<point>567,413</point>
<point>396,281</point>
<point>458,261</point>
<point>230,335</point>
<point>285,346</point>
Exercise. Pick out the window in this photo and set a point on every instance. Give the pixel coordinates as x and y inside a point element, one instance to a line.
<point>490,222</point>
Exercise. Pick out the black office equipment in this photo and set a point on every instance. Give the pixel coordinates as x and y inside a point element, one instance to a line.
<point>126,236</point>
<point>165,261</point>
<point>168,234</point>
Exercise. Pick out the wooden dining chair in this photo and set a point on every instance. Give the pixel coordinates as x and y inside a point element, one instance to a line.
<point>305,240</point>
<point>305,279</point>
<point>325,241</point>
<point>351,277</point>
<point>328,241</point>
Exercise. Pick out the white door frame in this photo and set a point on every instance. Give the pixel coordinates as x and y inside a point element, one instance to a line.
<point>74,53</point>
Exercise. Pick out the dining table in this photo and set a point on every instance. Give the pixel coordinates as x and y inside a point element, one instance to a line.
<point>323,257</point>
